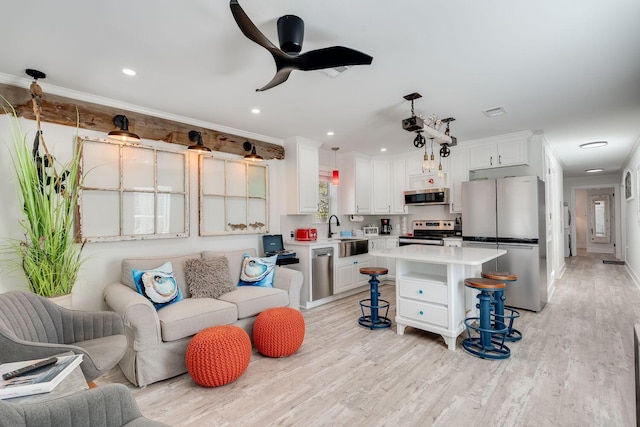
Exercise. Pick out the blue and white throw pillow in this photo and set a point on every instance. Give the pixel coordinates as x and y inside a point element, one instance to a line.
<point>257,271</point>
<point>158,285</point>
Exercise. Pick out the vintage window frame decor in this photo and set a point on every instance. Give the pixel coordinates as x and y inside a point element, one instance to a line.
<point>628,185</point>
<point>232,200</point>
<point>132,192</point>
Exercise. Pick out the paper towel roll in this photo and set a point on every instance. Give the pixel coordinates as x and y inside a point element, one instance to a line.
<point>356,218</point>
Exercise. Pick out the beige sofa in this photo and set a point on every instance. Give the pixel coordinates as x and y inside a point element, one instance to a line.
<point>158,339</point>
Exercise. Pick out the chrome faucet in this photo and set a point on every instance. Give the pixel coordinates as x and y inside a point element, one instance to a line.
<point>337,223</point>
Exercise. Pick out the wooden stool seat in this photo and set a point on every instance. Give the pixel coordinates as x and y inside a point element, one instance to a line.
<point>486,284</point>
<point>373,270</point>
<point>500,275</point>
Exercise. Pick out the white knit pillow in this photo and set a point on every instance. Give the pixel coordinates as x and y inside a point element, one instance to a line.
<point>208,277</point>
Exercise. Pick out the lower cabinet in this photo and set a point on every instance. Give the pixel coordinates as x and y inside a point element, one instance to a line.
<point>348,272</point>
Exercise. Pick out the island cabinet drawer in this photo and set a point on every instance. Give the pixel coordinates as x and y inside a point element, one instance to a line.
<point>424,291</point>
<point>423,312</point>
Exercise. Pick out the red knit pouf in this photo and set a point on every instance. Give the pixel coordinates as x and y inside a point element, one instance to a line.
<point>218,355</point>
<point>278,332</point>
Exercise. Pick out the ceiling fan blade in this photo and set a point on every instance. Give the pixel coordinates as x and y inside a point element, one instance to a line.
<point>249,29</point>
<point>331,57</point>
<point>281,76</point>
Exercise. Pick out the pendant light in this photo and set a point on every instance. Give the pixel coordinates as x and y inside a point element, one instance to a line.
<point>432,163</point>
<point>195,136</point>
<point>123,133</point>
<point>253,156</point>
<point>425,161</point>
<point>336,173</point>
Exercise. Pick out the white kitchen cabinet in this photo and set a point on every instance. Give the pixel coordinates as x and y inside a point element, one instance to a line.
<point>355,185</point>
<point>348,275</point>
<point>458,173</point>
<point>399,184</point>
<point>391,242</point>
<point>510,151</point>
<point>381,262</point>
<point>302,175</point>
<point>382,182</point>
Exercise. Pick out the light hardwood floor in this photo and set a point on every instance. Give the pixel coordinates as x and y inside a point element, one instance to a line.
<point>574,367</point>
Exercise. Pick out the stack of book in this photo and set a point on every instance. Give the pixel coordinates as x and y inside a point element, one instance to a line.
<point>35,381</point>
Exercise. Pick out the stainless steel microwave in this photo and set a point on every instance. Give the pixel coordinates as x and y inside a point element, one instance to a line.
<point>427,196</point>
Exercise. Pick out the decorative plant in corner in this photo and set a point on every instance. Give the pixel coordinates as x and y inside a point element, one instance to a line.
<point>49,254</point>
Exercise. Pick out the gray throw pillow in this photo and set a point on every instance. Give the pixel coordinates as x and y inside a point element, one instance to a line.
<point>208,277</point>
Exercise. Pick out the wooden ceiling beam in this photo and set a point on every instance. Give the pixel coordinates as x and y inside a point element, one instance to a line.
<point>62,111</point>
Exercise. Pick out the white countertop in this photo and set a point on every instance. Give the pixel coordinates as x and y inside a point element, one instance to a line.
<point>335,240</point>
<point>441,254</point>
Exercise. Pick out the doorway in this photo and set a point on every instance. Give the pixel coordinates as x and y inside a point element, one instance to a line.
<point>595,220</point>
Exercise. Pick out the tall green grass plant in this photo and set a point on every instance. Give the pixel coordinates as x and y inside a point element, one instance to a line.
<point>49,253</point>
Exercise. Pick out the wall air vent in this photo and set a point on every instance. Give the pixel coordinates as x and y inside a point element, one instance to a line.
<point>494,112</point>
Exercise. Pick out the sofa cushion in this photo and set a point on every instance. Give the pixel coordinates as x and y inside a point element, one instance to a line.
<point>235,260</point>
<point>149,263</point>
<point>208,277</point>
<point>157,285</point>
<point>191,315</point>
<point>252,300</point>
<point>257,271</point>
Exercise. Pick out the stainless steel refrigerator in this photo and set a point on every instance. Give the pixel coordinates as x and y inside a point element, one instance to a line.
<point>509,213</point>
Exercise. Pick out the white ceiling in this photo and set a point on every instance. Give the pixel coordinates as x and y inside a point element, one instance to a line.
<point>570,69</point>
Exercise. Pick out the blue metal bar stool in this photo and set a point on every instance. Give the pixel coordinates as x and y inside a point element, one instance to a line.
<point>502,319</point>
<point>489,342</point>
<point>374,320</point>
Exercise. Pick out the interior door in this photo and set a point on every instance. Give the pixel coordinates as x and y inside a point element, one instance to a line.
<point>600,218</point>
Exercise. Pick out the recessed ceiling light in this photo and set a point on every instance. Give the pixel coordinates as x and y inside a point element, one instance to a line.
<point>255,110</point>
<point>594,144</point>
<point>494,111</point>
<point>330,133</point>
<point>383,149</point>
<point>594,170</point>
<point>129,71</point>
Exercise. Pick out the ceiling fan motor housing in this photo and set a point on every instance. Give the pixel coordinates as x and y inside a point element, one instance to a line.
<point>290,34</point>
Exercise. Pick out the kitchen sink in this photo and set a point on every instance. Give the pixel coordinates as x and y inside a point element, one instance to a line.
<point>352,246</point>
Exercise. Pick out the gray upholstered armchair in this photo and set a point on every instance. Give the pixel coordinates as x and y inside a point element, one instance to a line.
<point>32,327</point>
<point>108,406</point>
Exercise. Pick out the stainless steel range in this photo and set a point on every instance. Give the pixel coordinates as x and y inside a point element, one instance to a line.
<point>430,232</point>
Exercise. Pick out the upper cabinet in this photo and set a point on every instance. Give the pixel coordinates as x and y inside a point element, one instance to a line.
<point>302,175</point>
<point>355,184</point>
<point>399,184</point>
<point>382,183</point>
<point>506,150</point>
<point>458,173</point>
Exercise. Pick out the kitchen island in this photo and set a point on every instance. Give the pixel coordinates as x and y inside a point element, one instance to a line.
<point>430,291</point>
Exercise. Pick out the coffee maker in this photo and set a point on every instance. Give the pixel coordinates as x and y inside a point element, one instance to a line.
<point>385,226</point>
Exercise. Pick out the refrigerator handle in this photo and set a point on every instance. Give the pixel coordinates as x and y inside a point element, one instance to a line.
<point>507,245</point>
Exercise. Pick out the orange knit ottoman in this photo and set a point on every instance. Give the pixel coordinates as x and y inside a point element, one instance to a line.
<point>278,332</point>
<point>218,355</point>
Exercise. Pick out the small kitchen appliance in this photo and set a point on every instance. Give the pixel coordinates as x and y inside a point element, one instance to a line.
<point>306,234</point>
<point>385,226</point>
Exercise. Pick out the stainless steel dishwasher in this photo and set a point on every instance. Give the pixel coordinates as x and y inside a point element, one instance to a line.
<point>321,273</point>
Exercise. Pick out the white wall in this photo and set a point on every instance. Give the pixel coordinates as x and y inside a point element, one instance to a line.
<point>631,218</point>
<point>102,260</point>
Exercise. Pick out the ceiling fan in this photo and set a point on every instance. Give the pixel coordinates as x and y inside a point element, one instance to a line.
<point>288,57</point>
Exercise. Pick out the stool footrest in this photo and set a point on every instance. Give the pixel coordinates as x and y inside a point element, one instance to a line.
<point>374,320</point>
<point>490,342</point>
